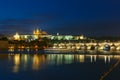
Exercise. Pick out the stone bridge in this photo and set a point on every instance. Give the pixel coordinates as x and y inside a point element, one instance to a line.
<point>88,46</point>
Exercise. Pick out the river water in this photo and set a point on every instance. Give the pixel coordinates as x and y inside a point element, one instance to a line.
<point>21,66</point>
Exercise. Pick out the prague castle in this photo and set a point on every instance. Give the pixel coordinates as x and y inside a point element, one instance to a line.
<point>37,34</point>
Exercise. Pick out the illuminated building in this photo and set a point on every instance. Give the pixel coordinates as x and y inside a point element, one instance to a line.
<point>67,37</point>
<point>37,34</point>
<point>17,36</point>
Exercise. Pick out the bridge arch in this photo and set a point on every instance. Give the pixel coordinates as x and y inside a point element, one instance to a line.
<point>106,47</point>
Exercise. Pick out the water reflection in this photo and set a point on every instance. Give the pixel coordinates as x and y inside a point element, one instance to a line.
<point>38,61</point>
<point>16,63</point>
<point>81,58</point>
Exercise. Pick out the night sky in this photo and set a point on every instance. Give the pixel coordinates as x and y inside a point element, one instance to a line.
<point>88,17</point>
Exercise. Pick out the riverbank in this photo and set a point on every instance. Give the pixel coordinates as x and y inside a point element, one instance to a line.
<point>84,52</point>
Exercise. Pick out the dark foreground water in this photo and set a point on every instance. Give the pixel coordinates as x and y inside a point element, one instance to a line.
<point>59,67</point>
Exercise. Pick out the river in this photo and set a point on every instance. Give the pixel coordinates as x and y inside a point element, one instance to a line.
<point>40,66</point>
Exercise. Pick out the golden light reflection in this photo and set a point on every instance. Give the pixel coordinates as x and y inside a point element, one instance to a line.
<point>91,58</point>
<point>25,58</point>
<point>105,59</point>
<point>16,62</point>
<point>95,57</point>
<point>37,61</point>
<point>81,58</point>
<point>109,58</point>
